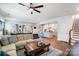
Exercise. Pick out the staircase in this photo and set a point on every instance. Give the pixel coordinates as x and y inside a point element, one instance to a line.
<point>74,32</point>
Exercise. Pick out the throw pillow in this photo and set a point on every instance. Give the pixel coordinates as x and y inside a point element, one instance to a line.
<point>4,40</point>
<point>12,39</point>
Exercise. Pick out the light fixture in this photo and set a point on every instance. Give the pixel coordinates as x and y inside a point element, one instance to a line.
<point>31,10</point>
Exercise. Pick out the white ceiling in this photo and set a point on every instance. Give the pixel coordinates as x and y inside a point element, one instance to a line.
<point>16,12</point>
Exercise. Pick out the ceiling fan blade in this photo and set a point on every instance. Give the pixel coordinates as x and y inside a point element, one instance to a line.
<point>21,4</point>
<point>36,10</point>
<point>38,6</point>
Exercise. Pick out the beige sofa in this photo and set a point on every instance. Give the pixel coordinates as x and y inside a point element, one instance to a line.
<point>21,40</point>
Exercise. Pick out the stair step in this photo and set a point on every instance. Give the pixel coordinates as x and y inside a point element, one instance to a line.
<point>75,32</point>
<point>75,37</point>
<point>73,40</point>
<point>76,28</point>
<point>72,44</point>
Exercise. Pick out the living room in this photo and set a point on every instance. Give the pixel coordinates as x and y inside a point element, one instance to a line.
<point>39,29</point>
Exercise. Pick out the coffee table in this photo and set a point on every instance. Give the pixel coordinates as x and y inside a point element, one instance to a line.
<point>33,49</point>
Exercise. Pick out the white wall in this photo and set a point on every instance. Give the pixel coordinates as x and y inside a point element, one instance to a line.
<point>64,25</point>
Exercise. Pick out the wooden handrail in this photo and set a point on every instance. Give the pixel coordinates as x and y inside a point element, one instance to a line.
<point>70,36</point>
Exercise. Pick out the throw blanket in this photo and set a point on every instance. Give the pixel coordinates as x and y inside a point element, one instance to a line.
<point>2,53</point>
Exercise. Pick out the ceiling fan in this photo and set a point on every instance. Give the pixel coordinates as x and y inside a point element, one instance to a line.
<point>34,8</point>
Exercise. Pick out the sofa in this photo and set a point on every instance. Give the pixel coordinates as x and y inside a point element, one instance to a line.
<point>11,43</point>
<point>9,49</point>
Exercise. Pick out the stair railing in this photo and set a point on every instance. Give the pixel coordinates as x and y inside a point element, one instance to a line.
<point>70,32</point>
<point>70,38</point>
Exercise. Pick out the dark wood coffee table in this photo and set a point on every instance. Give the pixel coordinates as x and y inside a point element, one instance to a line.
<point>33,49</point>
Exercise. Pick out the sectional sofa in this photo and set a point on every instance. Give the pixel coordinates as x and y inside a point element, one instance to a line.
<point>11,43</point>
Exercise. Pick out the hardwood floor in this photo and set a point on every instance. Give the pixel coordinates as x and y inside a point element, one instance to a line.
<point>62,46</point>
<point>65,47</point>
